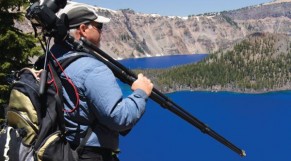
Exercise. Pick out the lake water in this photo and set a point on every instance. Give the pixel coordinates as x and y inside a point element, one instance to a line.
<point>257,123</point>
<point>162,61</point>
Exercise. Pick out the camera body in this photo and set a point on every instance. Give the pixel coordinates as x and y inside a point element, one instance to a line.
<point>43,14</point>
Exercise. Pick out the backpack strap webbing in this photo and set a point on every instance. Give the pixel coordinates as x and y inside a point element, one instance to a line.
<point>59,98</point>
<point>81,146</point>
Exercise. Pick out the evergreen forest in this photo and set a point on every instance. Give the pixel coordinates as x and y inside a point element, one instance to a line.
<point>16,47</point>
<point>259,63</point>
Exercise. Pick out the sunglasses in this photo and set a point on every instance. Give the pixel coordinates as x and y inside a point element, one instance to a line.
<point>97,25</point>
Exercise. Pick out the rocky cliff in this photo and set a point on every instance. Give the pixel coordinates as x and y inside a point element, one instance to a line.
<point>131,34</point>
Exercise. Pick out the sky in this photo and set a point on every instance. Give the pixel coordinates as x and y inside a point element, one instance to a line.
<point>174,7</point>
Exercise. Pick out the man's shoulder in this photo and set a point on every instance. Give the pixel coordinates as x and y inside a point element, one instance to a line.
<point>85,61</point>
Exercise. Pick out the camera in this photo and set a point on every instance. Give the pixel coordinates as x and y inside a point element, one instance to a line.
<point>43,14</point>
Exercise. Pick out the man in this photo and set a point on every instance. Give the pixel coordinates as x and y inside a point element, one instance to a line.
<point>101,105</point>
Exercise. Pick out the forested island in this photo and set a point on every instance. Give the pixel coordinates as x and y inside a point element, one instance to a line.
<point>260,63</point>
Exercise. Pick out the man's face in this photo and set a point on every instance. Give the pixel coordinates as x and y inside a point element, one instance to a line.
<point>93,33</point>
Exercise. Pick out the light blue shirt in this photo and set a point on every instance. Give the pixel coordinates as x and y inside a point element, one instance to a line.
<point>101,103</point>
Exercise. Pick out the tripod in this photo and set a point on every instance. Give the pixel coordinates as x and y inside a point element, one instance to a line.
<point>128,77</point>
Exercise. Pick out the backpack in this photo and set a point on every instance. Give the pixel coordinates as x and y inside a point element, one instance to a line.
<point>34,129</point>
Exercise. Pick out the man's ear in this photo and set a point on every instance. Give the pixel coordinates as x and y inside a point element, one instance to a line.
<point>82,29</point>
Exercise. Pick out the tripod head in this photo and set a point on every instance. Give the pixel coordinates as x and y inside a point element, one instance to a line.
<point>42,14</point>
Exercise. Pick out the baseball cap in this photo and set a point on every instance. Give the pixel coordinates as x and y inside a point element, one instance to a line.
<point>79,13</point>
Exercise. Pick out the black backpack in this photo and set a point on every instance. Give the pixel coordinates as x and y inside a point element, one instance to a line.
<point>34,129</point>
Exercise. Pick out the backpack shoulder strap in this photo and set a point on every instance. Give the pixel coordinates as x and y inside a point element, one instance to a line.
<point>64,64</point>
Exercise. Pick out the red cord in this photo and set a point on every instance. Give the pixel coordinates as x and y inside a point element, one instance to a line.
<point>72,84</point>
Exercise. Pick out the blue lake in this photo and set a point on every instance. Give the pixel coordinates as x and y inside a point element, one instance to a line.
<point>257,123</point>
<point>162,61</point>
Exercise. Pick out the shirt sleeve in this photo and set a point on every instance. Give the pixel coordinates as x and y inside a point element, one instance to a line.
<point>105,98</point>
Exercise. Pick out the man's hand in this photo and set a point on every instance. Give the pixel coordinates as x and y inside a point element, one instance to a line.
<point>143,83</point>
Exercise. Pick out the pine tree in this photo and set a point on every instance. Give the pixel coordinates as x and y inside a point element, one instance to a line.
<point>16,47</point>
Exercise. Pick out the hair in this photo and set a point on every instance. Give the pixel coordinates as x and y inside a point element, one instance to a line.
<point>72,31</point>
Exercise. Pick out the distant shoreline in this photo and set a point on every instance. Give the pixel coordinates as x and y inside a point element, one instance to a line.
<point>239,91</point>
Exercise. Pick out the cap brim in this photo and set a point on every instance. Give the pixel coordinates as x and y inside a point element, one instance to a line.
<point>102,19</point>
